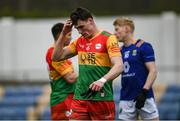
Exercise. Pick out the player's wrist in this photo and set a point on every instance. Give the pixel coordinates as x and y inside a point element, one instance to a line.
<point>145,91</point>
<point>103,80</point>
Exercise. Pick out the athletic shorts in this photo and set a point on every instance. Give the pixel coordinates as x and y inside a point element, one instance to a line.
<point>92,110</point>
<point>129,112</point>
<point>61,111</point>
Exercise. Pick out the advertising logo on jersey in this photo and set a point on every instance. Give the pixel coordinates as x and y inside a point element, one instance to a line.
<point>87,58</point>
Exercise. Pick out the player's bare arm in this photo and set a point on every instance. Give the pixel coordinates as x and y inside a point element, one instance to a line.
<point>151,66</point>
<point>117,68</point>
<point>60,52</point>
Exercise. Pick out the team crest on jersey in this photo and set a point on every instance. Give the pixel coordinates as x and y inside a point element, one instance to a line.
<point>134,52</point>
<point>98,46</point>
<point>126,54</point>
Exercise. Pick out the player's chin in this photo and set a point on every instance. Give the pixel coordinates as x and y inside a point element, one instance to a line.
<point>120,40</point>
<point>87,36</point>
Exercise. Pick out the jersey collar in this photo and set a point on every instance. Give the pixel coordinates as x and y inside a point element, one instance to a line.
<point>100,31</point>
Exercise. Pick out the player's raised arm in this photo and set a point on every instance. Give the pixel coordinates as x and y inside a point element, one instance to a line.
<point>60,52</point>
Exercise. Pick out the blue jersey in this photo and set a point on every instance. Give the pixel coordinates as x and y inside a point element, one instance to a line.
<point>135,72</point>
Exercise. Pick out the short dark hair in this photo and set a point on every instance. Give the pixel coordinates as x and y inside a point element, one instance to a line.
<point>56,29</point>
<point>80,14</point>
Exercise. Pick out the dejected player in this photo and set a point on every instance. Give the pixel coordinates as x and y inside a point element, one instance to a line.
<point>99,61</point>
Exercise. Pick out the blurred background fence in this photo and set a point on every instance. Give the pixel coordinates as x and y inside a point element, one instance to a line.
<point>23,45</point>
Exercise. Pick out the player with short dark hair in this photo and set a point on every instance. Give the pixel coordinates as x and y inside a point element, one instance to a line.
<point>138,76</point>
<point>99,61</point>
<point>62,77</point>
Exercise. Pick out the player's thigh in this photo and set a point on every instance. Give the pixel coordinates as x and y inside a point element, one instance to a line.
<point>101,110</point>
<point>149,111</point>
<point>68,101</point>
<point>58,112</point>
<point>79,110</point>
<point>62,110</point>
<point>127,110</point>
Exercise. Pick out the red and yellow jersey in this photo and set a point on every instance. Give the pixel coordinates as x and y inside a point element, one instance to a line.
<point>57,69</point>
<point>59,86</point>
<point>94,62</point>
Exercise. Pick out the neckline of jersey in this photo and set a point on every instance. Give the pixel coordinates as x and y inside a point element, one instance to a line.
<point>134,42</point>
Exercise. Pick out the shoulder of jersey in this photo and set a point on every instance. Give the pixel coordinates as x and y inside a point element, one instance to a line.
<point>140,43</point>
<point>106,33</point>
<point>50,49</point>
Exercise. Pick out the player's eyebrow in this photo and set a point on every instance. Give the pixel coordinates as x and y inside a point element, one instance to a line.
<point>79,26</point>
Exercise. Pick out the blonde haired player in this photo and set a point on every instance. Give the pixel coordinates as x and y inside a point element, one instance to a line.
<point>138,75</point>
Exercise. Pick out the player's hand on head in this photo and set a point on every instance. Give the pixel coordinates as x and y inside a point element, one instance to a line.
<point>141,98</point>
<point>67,27</point>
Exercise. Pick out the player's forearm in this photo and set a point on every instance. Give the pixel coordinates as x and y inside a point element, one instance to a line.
<point>150,79</point>
<point>112,74</point>
<point>58,49</point>
<point>115,71</point>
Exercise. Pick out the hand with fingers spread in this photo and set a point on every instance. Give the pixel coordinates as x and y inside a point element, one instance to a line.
<point>97,85</point>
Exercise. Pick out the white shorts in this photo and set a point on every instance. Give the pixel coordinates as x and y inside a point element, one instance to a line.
<point>129,112</point>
